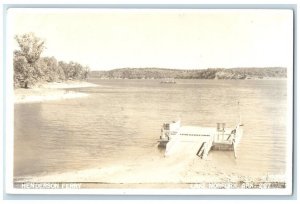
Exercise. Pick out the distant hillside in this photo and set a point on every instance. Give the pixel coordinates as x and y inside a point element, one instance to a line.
<point>211,73</point>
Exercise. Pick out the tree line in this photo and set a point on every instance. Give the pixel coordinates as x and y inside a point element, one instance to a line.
<point>30,68</point>
<point>210,73</point>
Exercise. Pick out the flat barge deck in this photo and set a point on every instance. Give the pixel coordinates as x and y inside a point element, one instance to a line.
<point>199,140</point>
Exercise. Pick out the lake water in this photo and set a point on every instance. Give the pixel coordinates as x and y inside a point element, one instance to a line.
<point>122,119</point>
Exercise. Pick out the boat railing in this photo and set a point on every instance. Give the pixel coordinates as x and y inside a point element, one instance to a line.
<point>224,137</point>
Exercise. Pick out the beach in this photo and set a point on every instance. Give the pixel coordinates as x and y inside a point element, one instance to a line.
<point>51,91</point>
<point>184,171</point>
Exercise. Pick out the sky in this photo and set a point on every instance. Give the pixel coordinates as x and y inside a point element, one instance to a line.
<point>180,39</point>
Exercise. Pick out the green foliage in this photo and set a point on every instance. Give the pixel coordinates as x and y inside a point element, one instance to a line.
<point>30,67</point>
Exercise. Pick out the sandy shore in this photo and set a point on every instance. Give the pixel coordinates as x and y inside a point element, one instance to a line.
<point>182,171</point>
<point>50,91</point>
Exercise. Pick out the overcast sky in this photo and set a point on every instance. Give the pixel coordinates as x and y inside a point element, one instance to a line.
<point>107,39</point>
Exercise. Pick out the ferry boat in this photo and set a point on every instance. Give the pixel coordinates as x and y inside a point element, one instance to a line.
<point>199,139</point>
<point>168,81</point>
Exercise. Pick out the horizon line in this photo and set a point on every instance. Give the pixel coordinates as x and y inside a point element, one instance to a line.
<point>178,69</point>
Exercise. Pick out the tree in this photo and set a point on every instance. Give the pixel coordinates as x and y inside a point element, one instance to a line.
<point>30,67</point>
<point>86,71</point>
<point>31,46</point>
<point>21,70</point>
<point>51,69</point>
<point>74,70</point>
<point>27,71</point>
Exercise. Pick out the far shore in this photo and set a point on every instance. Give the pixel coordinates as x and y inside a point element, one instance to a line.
<point>248,79</point>
<point>51,91</point>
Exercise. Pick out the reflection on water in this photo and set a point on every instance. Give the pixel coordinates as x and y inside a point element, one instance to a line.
<point>122,119</point>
